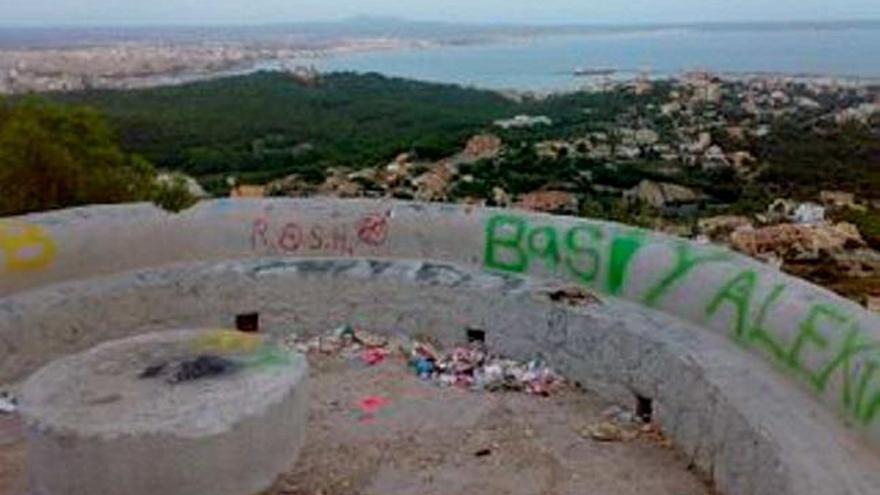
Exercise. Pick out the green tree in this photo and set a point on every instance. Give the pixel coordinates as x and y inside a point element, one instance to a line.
<point>173,194</point>
<point>54,156</point>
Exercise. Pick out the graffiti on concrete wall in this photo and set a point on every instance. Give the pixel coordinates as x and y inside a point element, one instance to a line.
<point>818,341</point>
<point>513,245</point>
<point>841,349</point>
<point>290,237</point>
<point>25,247</point>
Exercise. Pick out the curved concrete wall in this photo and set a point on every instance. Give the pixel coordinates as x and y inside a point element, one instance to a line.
<point>830,345</point>
<point>729,413</point>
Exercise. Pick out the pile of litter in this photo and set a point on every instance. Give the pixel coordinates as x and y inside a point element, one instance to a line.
<point>469,366</point>
<point>620,425</point>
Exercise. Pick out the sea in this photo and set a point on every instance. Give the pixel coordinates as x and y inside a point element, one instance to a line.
<point>535,58</point>
<point>549,63</point>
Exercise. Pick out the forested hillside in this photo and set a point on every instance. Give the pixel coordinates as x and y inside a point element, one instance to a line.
<point>269,124</point>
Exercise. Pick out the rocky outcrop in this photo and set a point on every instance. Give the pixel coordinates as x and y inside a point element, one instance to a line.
<point>549,202</point>
<point>660,194</point>
<point>482,147</point>
<point>873,303</point>
<point>292,185</point>
<point>433,185</point>
<point>795,241</point>
<point>720,227</point>
<point>340,185</point>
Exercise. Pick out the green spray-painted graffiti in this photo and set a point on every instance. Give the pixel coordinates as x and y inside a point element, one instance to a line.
<point>512,245</point>
<point>602,257</point>
<point>855,359</point>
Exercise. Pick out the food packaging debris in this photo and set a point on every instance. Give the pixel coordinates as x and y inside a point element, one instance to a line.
<point>373,403</point>
<point>374,355</point>
<point>369,406</point>
<point>617,425</point>
<point>8,403</point>
<point>424,367</point>
<point>619,415</point>
<point>371,340</point>
<point>426,350</point>
<point>607,431</point>
<point>343,331</point>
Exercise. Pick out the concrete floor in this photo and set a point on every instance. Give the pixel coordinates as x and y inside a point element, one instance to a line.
<point>379,430</point>
<point>424,440</point>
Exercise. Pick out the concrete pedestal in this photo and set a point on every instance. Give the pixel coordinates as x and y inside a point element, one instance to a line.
<point>169,413</point>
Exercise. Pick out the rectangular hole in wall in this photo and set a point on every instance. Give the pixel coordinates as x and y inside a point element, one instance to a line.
<point>644,409</point>
<point>248,322</point>
<point>476,335</point>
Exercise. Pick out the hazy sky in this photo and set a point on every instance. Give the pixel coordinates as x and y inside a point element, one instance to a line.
<point>103,12</point>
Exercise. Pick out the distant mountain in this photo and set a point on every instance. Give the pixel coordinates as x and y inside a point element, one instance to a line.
<point>367,26</point>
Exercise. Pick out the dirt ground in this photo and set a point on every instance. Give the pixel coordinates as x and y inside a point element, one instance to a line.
<point>380,430</point>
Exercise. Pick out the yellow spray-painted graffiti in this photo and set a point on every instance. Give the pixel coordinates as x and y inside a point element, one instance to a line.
<point>250,350</point>
<point>227,341</point>
<point>25,247</point>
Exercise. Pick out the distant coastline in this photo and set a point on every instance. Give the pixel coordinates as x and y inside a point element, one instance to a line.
<point>539,59</point>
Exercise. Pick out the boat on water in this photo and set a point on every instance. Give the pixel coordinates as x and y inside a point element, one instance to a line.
<point>595,71</point>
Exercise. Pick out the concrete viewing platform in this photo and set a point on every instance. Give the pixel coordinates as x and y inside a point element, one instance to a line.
<point>763,383</point>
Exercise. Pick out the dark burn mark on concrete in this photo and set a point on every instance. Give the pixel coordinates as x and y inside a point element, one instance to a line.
<point>274,266</point>
<point>465,279</point>
<point>204,366</point>
<point>379,267</point>
<point>152,371</point>
<point>343,266</point>
<point>318,266</point>
<point>105,399</point>
<point>573,296</point>
<point>510,283</point>
<point>435,274</point>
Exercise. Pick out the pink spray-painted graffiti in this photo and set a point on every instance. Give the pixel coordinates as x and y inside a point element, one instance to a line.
<point>371,230</point>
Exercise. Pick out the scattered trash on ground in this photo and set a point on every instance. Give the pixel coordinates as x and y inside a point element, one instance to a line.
<point>8,403</point>
<point>606,431</point>
<point>620,425</point>
<point>374,355</point>
<point>469,366</point>
<point>370,406</point>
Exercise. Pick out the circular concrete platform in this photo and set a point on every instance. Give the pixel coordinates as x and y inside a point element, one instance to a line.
<point>173,413</point>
